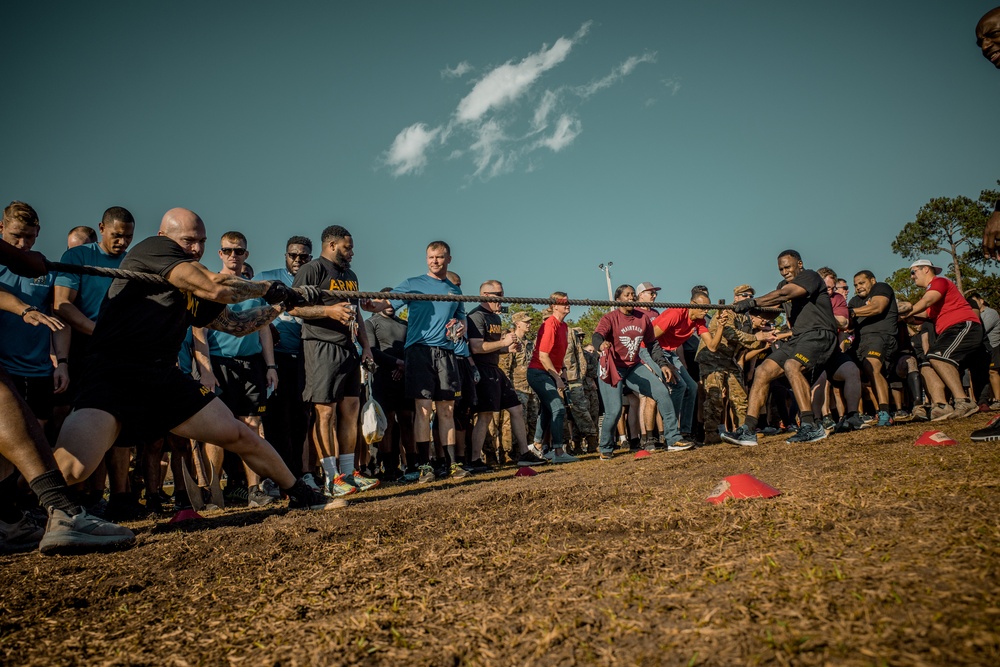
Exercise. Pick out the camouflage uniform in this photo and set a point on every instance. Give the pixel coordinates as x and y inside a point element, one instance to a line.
<point>515,366</point>
<point>721,373</point>
<point>575,365</point>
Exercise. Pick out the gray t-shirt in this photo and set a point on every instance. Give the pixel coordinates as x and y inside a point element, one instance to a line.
<point>991,325</point>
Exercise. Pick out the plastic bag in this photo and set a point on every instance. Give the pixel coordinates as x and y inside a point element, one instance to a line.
<point>373,421</point>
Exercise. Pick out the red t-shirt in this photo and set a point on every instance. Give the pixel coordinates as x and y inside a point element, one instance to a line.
<point>677,328</point>
<point>552,339</point>
<point>625,333</point>
<point>952,309</point>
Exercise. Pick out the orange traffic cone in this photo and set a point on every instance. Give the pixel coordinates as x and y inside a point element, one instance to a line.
<point>739,487</point>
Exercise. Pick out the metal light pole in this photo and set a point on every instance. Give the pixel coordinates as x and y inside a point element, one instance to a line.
<point>606,267</point>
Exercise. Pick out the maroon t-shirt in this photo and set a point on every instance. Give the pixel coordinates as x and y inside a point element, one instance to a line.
<point>626,333</point>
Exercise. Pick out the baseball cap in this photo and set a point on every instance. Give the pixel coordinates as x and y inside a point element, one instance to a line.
<point>743,289</point>
<point>520,316</point>
<point>646,287</point>
<point>928,264</point>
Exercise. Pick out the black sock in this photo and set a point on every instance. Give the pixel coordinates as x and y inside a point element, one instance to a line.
<point>807,417</point>
<point>51,489</point>
<point>750,423</point>
<point>423,452</point>
<point>883,407</point>
<point>852,413</point>
<point>633,443</point>
<point>915,387</point>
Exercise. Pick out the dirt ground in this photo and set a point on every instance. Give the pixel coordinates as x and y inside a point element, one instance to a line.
<point>876,553</point>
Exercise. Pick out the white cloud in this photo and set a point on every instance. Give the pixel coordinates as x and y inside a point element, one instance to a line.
<point>567,129</point>
<point>507,120</point>
<point>541,118</point>
<point>618,73</point>
<point>508,82</point>
<point>457,72</point>
<point>408,153</point>
<point>490,156</point>
<point>673,84</point>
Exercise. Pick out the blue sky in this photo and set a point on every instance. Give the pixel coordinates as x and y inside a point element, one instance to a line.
<point>686,142</point>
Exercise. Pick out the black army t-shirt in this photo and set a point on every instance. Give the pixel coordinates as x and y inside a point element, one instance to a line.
<point>885,323</point>
<point>141,323</point>
<point>326,275</point>
<point>812,311</point>
<point>488,326</point>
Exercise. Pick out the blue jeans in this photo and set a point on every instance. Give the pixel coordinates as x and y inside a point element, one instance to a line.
<point>683,392</point>
<point>642,381</point>
<point>552,409</point>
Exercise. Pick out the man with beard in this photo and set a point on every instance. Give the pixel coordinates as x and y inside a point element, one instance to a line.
<point>332,360</point>
<point>813,342</point>
<point>876,327</point>
<point>287,415</point>
<point>988,36</point>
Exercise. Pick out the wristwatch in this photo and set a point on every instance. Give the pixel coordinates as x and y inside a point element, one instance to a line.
<point>27,310</point>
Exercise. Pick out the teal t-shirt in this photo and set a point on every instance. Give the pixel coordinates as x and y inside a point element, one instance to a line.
<point>24,349</point>
<point>289,327</point>
<point>427,319</point>
<point>90,290</point>
<point>227,345</point>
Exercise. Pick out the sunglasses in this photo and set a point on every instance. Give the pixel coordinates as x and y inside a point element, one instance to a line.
<point>492,293</point>
<point>239,252</point>
<point>302,257</point>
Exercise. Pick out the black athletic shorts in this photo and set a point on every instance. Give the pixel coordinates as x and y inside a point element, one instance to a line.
<point>495,392</point>
<point>812,349</point>
<point>333,372</point>
<point>149,401</point>
<point>877,346</point>
<point>994,358</point>
<point>431,374</point>
<point>242,384</point>
<point>467,397</point>
<point>37,392</point>
<point>957,342</point>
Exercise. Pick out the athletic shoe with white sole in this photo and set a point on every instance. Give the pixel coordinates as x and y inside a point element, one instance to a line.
<point>742,436</point>
<point>81,533</point>
<point>808,433</point>
<point>682,446</point>
<point>964,408</point>
<point>989,432</point>
<point>563,458</point>
<point>338,487</point>
<point>361,482</point>
<point>303,497</point>
<point>530,458</point>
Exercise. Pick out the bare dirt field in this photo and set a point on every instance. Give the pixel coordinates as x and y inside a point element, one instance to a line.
<point>876,553</point>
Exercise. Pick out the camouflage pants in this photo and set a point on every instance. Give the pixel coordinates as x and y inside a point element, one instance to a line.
<point>717,384</point>
<point>579,407</point>
<point>529,403</point>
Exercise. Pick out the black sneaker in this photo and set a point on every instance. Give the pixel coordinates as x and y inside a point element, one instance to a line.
<point>828,424</point>
<point>442,471</point>
<point>852,423</point>
<point>22,535</point>
<point>529,458</point>
<point>989,432</point>
<point>302,497</point>
<point>478,467</point>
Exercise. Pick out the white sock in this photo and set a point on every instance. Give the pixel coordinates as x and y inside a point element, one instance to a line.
<point>346,463</point>
<point>622,438</point>
<point>329,465</point>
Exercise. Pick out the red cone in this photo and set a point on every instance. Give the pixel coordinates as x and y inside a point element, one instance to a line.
<point>741,486</point>
<point>641,454</point>
<point>934,439</point>
<point>525,471</point>
<point>185,515</point>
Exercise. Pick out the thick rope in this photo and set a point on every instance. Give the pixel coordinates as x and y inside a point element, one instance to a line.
<point>154,279</point>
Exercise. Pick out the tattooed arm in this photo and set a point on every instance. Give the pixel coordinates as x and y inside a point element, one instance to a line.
<point>194,278</point>
<point>338,311</point>
<point>245,321</point>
